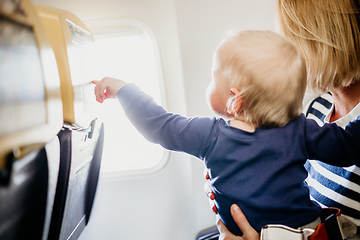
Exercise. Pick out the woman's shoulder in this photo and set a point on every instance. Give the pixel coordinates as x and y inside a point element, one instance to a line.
<point>317,107</point>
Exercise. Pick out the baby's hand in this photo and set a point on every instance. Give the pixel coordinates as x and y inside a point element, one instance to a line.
<point>107,88</point>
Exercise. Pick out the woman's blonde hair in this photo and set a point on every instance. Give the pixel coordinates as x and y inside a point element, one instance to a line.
<point>269,72</point>
<point>328,34</point>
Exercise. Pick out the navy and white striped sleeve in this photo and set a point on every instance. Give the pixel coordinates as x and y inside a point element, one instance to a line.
<point>332,186</point>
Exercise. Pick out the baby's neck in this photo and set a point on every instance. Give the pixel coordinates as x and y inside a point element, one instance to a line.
<point>245,126</point>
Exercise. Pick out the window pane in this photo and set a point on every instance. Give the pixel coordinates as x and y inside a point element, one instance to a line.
<point>130,58</point>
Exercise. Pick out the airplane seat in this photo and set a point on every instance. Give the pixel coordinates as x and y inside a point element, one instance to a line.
<point>23,196</point>
<point>30,118</point>
<point>27,191</point>
<point>94,172</point>
<point>77,182</point>
<point>62,185</point>
<point>209,234</point>
<point>81,138</point>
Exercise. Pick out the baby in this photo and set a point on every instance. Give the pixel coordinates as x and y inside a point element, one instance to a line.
<point>255,158</point>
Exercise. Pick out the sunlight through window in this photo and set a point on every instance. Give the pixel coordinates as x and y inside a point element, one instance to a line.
<point>132,59</point>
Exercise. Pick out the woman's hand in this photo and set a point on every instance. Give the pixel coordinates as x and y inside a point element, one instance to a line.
<point>209,192</point>
<point>249,232</point>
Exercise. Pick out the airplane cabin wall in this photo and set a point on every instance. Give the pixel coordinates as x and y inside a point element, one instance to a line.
<point>171,203</point>
<point>201,26</point>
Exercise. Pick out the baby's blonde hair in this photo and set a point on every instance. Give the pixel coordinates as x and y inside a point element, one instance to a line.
<point>328,34</point>
<point>269,72</point>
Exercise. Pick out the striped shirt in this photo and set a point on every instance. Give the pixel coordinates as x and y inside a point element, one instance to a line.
<point>332,186</point>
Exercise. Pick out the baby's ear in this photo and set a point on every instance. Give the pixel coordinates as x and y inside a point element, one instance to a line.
<point>234,102</point>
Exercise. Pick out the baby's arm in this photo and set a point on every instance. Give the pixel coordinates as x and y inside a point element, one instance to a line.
<point>172,131</point>
<point>333,144</point>
<point>107,88</point>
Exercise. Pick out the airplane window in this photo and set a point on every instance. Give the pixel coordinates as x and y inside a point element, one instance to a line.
<point>130,57</point>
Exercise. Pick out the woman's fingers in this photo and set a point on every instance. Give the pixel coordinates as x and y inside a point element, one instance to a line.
<point>208,190</point>
<point>249,232</point>
<point>225,234</point>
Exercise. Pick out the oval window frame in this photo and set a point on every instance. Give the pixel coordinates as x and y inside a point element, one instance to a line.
<point>115,27</point>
